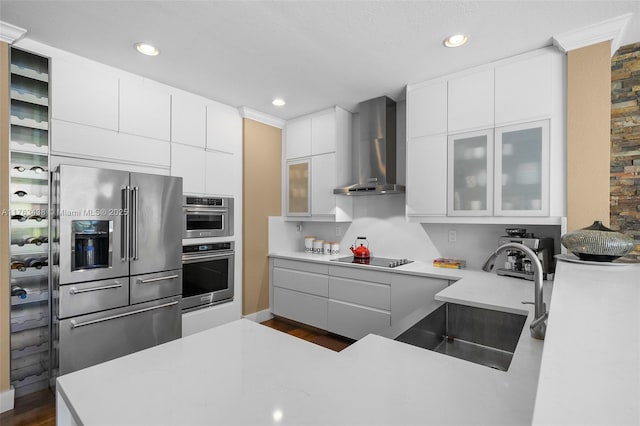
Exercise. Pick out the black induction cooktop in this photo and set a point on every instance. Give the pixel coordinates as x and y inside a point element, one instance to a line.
<point>374,261</point>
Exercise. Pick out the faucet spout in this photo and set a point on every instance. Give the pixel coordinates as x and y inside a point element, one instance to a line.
<point>538,325</point>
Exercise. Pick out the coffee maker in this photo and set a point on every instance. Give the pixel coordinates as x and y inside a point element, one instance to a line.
<point>517,264</point>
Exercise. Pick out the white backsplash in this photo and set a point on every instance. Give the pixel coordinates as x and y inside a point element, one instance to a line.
<point>381,219</point>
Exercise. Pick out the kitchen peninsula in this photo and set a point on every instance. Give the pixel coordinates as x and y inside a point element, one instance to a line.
<point>245,373</point>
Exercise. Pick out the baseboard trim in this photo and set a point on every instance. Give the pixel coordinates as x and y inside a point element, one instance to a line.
<point>259,316</point>
<point>7,399</point>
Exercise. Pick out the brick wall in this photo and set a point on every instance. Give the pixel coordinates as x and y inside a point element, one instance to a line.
<point>625,142</point>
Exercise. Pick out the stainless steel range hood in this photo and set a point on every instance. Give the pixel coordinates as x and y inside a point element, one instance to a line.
<point>374,153</point>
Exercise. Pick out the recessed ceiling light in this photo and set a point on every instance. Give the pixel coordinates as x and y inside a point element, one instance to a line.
<point>456,40</point>
<point>278,102</point>
<point>147,49</point>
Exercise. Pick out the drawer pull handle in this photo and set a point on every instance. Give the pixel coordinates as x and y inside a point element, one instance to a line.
<point>75,324</point>
<point>74,290</point>
<point>153,280</point>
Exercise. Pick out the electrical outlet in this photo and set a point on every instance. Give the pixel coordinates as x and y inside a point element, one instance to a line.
<point>453,235</point>
<point>338,231</point>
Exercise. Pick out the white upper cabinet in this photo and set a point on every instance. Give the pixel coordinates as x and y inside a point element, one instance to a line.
<point>323,133</point>
<point>222,171</point>
<point>427,110</point>
<point>145,109</point>
<point>427,176</point>
<point>470,101</point>
<point>188,120</point>
<point>524,89</point>
<point>319,144</point>
<point>298,138</point>
<point>224,128</point>
<point>323,180</point>
<point>189,163</point>
<point>318,133</point>
<point>84,93</point>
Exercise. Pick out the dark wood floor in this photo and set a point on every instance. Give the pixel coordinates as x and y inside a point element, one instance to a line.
<point>36,409</point>
<point>39,408</point>
<point>310,334</point>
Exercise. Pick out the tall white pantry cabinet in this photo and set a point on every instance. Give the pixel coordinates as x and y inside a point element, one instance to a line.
<point>487,144</point>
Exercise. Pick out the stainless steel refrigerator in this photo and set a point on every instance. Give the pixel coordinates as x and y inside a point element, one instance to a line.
<point>116,264</point>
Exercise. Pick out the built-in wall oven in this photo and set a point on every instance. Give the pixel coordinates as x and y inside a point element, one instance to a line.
<point>207,217</point>
<point>207,274</point>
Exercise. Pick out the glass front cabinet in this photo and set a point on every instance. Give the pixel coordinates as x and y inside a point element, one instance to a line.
<point>499,172</point>
<point>299,188</point>
<point>522,170</point>
<point>470,171</point>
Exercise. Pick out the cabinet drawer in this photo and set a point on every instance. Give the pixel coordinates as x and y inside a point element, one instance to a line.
<point>362,293</point>
<point>301,281</point>
<point>156,286</point>
<point>355,321</point>
<point>360,274</point>
<point>304,308</point>
<point>91,339</point>
<point>317,268</point>
<point>410,293</point>
<point>93,296</point>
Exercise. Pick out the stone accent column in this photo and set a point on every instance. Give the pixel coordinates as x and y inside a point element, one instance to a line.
<point>625,142</point>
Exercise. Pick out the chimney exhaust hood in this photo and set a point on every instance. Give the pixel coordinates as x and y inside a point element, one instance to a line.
<point>374,153</point>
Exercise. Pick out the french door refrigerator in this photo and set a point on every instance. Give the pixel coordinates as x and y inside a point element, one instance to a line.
<point>117,270</point>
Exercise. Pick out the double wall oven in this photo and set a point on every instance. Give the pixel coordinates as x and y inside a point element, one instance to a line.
<point>207,274</point>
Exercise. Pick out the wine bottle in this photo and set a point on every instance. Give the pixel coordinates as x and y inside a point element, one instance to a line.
<point>33,240</point>
<point>19,265</point>
<point>18,291</point>
<point>33,262</point>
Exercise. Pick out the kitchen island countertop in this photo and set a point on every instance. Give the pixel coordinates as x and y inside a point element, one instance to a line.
<point>245,373</point>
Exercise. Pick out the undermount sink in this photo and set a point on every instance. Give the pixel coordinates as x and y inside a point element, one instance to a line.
<point>482,336</point>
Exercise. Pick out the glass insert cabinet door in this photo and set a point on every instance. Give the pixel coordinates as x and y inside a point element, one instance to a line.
<point>470,174</point>
<point>522,170</point>
<point>299,188</point>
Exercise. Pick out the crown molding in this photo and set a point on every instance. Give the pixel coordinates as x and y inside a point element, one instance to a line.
<point>611,29</point>
<point>262,117</point>
<point>10,33</point>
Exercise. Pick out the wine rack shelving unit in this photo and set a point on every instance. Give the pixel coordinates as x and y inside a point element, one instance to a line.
<point>29,205</point>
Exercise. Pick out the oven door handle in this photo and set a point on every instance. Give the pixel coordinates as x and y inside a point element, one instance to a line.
<point>207,210</point>
<point>192,259</point>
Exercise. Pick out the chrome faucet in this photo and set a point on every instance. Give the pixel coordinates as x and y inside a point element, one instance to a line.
<point>538,326</point>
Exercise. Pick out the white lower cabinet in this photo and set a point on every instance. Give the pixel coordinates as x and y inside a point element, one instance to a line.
<point>411,293</point>
<point>300,291</point>
<point>356,321</point>
<point>301,307</point>
<point>351,301</point>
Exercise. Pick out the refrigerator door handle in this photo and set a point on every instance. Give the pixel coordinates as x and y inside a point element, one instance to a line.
<point>134,224</point>
<point>74,290</point>
<point>153,280</point>
<point>126,224</point>
<point>75,324</point>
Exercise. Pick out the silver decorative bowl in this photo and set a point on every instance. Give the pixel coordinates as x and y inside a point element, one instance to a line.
<point>597,243</point>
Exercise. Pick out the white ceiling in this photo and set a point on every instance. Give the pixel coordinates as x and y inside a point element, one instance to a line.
<point>314,54</point>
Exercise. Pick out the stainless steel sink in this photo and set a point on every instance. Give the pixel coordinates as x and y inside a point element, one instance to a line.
<point>483,336</point>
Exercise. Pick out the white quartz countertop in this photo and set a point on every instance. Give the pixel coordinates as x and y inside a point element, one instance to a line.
<point>591,362</point>
<point>247,374</point>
